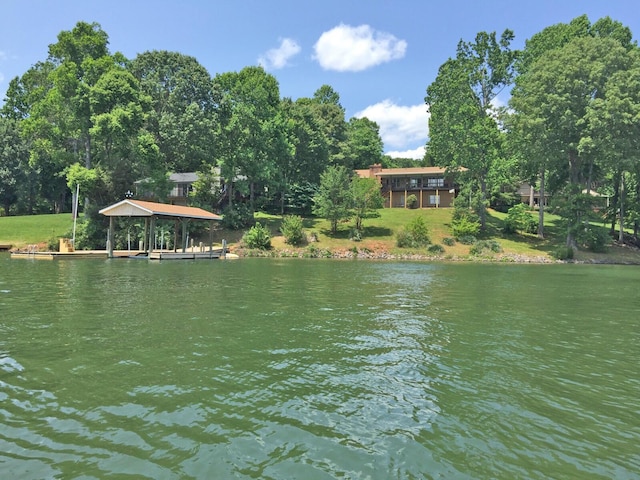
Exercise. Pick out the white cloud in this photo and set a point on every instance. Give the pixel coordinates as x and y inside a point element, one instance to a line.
<point>416,153</point>
<point>400,126</point>
<point>351,49</point>
<point>279,57</point>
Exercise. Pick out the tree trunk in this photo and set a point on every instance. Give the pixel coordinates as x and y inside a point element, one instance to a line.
<point>541,205</point>
<point>622,200</point>
<point>483,198</point>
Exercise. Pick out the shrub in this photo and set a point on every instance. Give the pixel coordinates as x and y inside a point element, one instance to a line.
<point>464,223</point>
<point>412,201</point>
<point>482,246</point>
<point>237,217</point>
<point>563,253</point>
<point>467,239</point>
<point>435,248</point>
<point>519,219</point>
<point>355,235</point>
<point>448,241</point>
<point>594,238</point>
<point>291,228</point>
<point>257,237</point>
<point>414,235</point>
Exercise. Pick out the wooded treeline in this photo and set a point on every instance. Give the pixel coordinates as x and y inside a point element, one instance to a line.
<point>89,117</point>
<point>562,114</point>
<point>571,126</point>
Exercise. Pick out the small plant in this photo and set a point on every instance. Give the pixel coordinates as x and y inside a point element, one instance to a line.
<point>436,248</point>
<point>448,241</point>
<point>412,201</point>
<point>237,217</point>
<point>355,235</point>
<point>594,238</point>
<point>291,228</point>
<point>464,223</point>
<point>519,219</point>
<point>467,239</point>
<point>414,235</point>
<point>563,253</point>
<point>257,237</point>
<point>482,246</point>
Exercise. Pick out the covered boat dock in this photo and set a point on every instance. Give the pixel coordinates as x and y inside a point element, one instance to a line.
<point>152,212</point>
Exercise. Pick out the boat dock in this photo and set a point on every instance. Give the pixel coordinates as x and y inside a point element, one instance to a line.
<point>189,254</point>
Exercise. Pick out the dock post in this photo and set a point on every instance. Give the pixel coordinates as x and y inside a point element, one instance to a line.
<point>224,248</point>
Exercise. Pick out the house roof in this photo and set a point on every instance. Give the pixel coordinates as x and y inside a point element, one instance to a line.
<point>187,177</point>
<point>138,208</point>
<point>393,172</point>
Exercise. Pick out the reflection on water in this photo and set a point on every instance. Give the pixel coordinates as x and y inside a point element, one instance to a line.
<point>317,369</point>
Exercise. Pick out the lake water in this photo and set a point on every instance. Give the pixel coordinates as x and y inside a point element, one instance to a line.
<point>318,369</point>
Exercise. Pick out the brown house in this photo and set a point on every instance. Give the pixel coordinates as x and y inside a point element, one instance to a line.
<point>431,186</point>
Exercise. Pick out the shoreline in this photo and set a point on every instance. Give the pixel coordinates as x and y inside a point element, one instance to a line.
<point>508,258</point>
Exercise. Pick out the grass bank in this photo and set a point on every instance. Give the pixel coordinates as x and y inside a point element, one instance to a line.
<point>378,239</point>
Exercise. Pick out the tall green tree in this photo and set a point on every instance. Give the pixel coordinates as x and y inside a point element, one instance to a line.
<point>333,200</point>
<point>552,100</point>
<point>183,115</point>
<point>527,134</point>
<point>13,160</point>
<point>366,199</point>
<point>250,100</point>
<point>330,116</point>
<point>363,146</point>
<point>614,123</point>
<point>463,128</point>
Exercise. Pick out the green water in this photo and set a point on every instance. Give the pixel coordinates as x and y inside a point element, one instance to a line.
<point>318,369</point>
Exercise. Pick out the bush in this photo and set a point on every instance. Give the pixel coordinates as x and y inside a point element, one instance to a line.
<point>482,246</point>
<point>412,201</point>
<point>593,238</point>
<point>414,235</point>
<point>237,217</point>
<point>464,223</point>
<point>563,253</point>
<point>355,235</point>
<point>435,248</point>
<point>291,228</point>
<point>520,220</point>
<point>257,237</point>
<point>448,241</point>
<point>467,239</point>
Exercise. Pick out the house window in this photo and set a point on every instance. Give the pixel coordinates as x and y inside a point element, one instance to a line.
<point>434,199</point>
<point>414,183</point>
<point>398,182</point>
<point>435,182</point>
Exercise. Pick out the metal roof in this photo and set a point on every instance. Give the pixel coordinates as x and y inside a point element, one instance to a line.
<point>138,208</point>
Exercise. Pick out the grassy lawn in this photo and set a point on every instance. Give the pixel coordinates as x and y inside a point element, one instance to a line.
<point>34,229</point>
<point>378,236</point>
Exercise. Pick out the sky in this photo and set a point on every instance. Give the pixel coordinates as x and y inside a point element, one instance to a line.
<point>378,55</point>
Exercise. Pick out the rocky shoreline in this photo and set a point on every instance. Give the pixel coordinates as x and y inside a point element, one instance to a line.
<point>366,254</point>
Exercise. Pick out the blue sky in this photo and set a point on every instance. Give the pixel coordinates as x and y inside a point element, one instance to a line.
<point>379,55</point>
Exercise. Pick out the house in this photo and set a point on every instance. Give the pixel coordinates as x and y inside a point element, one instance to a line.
<point>182,184</point>
<point>529,195</point>
<point>431,186</point>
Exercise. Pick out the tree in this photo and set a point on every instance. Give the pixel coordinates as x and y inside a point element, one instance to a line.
<point>463,128</point>
<point>366,199</point>
<point>552,100</point>
<point>527,134</point>
<point>183,115</point>
<point>13,160</point>
<point>614,122</point>
<point>363,146</point>
<point>249,104</point>
<point>330,116</point>
<point>333,200</point>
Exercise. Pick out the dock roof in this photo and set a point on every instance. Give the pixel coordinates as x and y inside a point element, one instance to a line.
<point>138,208</point>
